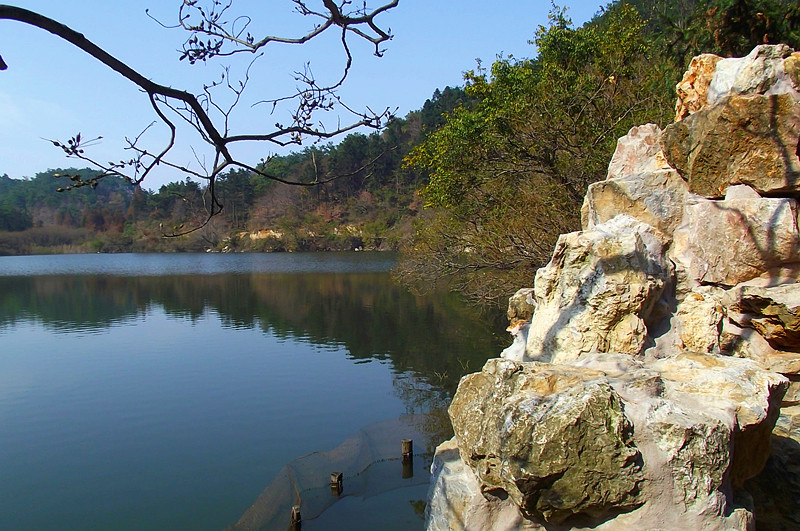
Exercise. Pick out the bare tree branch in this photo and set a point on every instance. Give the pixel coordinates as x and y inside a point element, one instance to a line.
<point>213,33</point>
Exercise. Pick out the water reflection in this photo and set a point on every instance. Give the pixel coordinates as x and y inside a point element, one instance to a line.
<point>198,383</point>
<point>436,337</point>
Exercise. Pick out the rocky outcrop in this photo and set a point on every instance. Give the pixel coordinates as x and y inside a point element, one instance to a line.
<point>578,443</point>
<point>745,139</point>
<point>746,130</point>
<point>692,90</point>
<point>555,440</point>
<point>772,311</point>
<point>597,292</point>
<point>736,239</point>
<point>655,370</point>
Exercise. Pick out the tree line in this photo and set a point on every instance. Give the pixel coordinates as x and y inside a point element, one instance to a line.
<point>367,203</point>
<point>473,188</point>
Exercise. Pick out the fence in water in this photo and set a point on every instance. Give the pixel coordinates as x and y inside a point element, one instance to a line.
<point>370,462</point>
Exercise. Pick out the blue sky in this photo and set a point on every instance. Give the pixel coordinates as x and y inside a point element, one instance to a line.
<point>51,90</point>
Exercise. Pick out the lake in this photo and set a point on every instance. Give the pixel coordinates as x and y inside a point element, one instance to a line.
<point>195,391</point>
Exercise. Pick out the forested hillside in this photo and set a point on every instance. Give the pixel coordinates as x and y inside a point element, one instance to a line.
<point>367,201</point>
<point>473,187</point>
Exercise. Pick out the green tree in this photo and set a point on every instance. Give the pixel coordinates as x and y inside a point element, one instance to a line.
<point>508,173</point>
<point>731,28</point>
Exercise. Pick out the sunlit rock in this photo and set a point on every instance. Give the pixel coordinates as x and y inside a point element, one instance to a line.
<point>597,292</point>
<point>521,305</point>
<point>744,139</point>
<point>640,184</point>
<point>762,71</point>
<point>699,317</point>
<point>692,90</point>
<point>734,240</point>
<point>455,501</point>
<point>638,152</point>
<point>773,311</point>
<point>555,440</point>
<point>656,198</point>
<point>610,439</point>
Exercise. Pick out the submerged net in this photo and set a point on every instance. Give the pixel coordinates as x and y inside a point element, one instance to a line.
<point>371,463</point>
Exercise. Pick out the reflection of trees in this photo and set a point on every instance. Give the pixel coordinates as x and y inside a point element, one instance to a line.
<point>431,341</point>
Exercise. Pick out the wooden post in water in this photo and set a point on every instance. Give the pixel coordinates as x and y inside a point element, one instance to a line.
<point>408,458</point>
<point>336,483</point>
<point>296,520</point>
<point>408,448</point>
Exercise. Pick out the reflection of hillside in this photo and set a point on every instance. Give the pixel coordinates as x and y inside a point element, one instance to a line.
<point>434,337</point>
<point>69,303</point>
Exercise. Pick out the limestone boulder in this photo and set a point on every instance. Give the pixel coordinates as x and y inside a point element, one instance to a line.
<point>555,440</point>
<point>792,396</point>
<point>762,71</point>
<point>693,88</point>
<point>791,65</point>
<point>731,241</point>
<point>699,317</point>
<point>750,139</point>
<point>745,397</point>
<point>521,305</point>
<point>597,292</point>
<point>747,343</point>
<point>455,501</point>
<point>638,152</point>
<point>773,311</point>
<point>640,184</point>
<point>617,443</point>
<point>656,198</point>
<point>776,490</point>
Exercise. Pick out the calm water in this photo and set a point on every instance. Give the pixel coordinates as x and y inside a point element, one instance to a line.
<point>168,391</point>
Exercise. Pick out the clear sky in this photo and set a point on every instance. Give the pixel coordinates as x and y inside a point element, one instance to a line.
<point>52,90</point>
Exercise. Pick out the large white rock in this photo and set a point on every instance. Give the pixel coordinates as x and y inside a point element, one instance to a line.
<point>455,501</point>
<point>640,184</point>
<point>597,292</point>
<point>656,198</point>
<point>638,152</point>
<point>610,442</point>
<point>762,71</point>
<point>730,241</point>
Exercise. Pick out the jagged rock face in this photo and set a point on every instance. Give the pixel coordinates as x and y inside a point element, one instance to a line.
<point>737,121</point>
<point>640,184</point>
<point>762,71</point>
<point>768,69</point>
<point>747,343</point>
<point>656,198</point>
<point>735,240</point>
<point>521,305</point>
<point>693,88</point>
<point>742,140</point>
<point>638,409</point>
<point>611,433</point>
<point>638,152</point>
<point>699,317</point>
<point>557,441</point>
<point>455,502</point>
<point>774,312</point>
<point>597,292</point>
